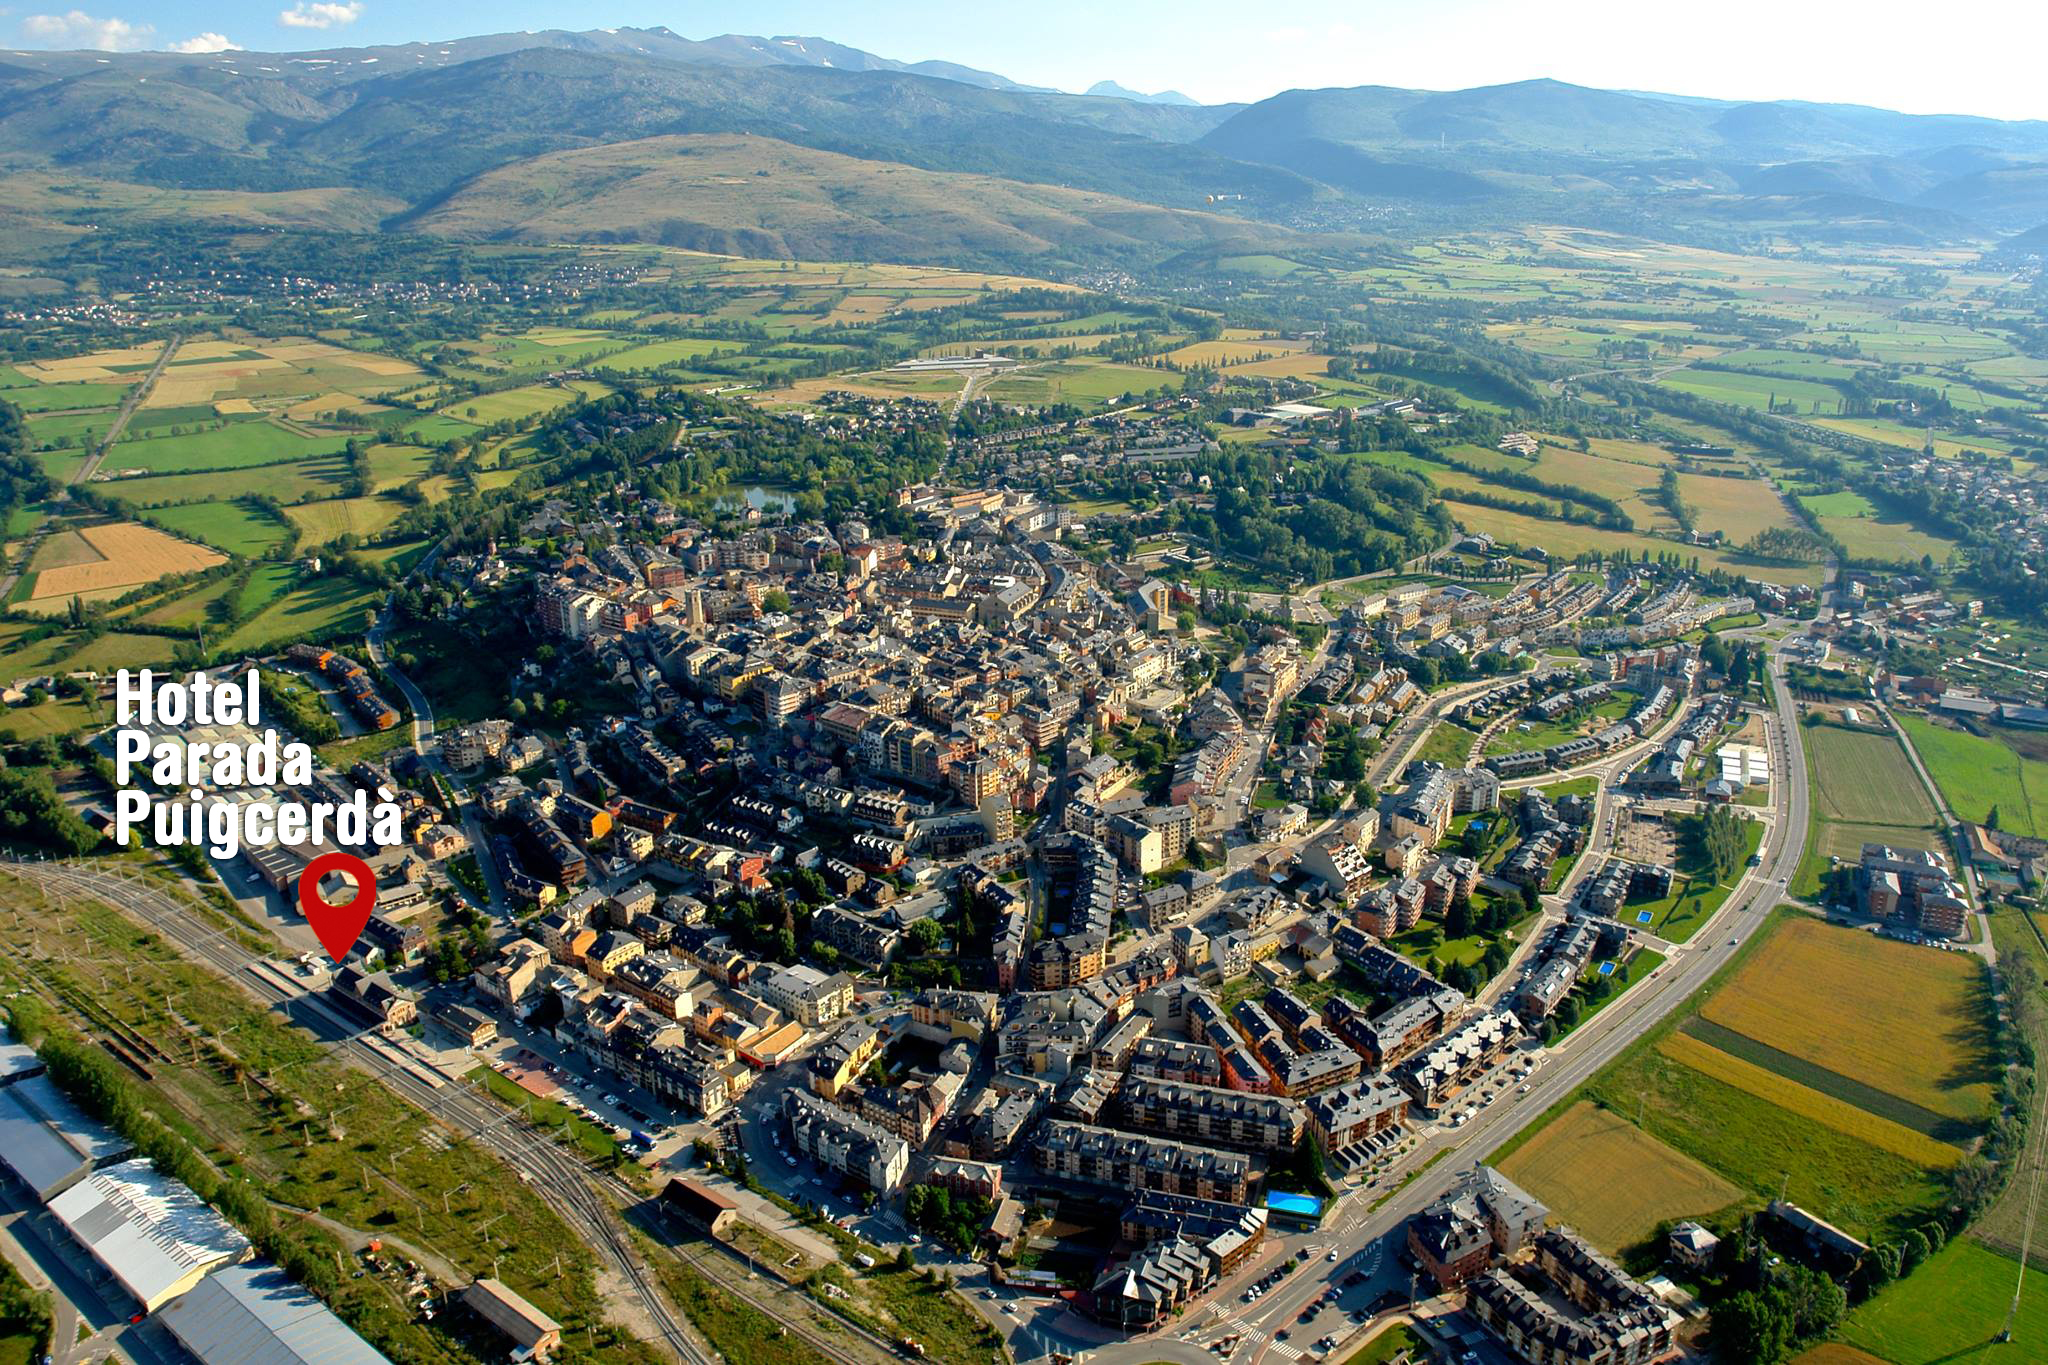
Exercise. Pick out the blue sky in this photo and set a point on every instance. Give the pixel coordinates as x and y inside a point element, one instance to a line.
<point>1967,56</point>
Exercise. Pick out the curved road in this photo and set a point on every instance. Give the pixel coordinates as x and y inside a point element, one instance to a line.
<point>1354,1225</point>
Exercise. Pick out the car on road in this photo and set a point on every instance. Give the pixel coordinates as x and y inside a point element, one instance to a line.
<point>1332,1257</point>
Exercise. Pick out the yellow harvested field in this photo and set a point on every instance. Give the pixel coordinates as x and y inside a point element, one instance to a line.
<point>1235,352</point>
<point>1835,1353</point>
<point>1302,366</point>
<point>209,350</point>
<point>320,352</point>
<point>1783,1093</point>
<point>95,366</point>
<point>319,405</point>
<point>1894,1016</point>
<point>860,308</point>
<point>294,369</point>
<point>1737,508</point>
<point>126,554</point>
<point>1611,1180</point>
<point>232,407</point>
<point>194,384</point>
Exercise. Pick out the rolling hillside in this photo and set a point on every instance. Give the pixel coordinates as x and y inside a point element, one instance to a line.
<point>755,196</point>
<point>469,136</point>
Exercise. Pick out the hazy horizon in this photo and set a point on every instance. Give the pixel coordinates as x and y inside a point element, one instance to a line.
<point>1746,51</point>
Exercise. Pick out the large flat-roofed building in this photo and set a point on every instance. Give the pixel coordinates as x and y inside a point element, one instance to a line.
<point>47,1142</point>
<point>153,1236</point>
<point>255,1314</point>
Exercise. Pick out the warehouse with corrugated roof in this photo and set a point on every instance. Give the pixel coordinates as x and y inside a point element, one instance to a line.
<point>255,1314</point>
<point>47,1142</point>
<point>154,1236</point>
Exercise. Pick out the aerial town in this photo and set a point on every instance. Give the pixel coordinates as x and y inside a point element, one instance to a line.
<point>1153,753</point>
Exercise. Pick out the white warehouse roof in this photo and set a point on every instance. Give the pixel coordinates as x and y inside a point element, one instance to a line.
<point>151,1233</point>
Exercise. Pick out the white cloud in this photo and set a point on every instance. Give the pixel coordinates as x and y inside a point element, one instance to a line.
<point>76,28</point>
<point>321,14</point>
<point>207,42</point>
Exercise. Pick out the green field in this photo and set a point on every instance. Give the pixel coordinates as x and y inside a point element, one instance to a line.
<point>325,604</point>
<point>63,397</point>
<point>1864,791</point>
<point>1948,1311</point>
<point>236,445</point>
<point>1541,734</point>
<point>436,427</point>
<point>266,583</point>
<point>1568,540</point>
<point>314,478</point>
<point>1756,391</point>
<point>1975,775</point>
<point>1074,381</point>
<point>1863,777</point>
<point>657,355</point>
<point>2004,1226</point>
<point>71,430</point>
<point>514,405</point>
<point>1448,743</point>
<point>226,526</point>
<point>324,521</point>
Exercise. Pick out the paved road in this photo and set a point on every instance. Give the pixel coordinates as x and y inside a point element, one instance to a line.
<point>85,471</point>
<point>1351,1231</point>
<point>129,404</point>
<point>423,731</point>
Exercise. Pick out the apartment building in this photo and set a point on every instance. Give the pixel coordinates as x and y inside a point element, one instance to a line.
<point>1130,1161</point>
<point>840,1141</point>
<point>1233,1118</point>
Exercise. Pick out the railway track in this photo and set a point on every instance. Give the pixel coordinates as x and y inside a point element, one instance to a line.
<point>590,1201</point>
<point>560,1182</point>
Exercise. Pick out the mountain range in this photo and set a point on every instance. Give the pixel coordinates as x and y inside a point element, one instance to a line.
<point>640,134</point>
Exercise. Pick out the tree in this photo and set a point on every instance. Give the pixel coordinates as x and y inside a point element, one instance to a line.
<point>905,1258</point>
<point>775,600</point>
<point>1912,1251</point>
<point>927,937</point>
<point>1816,1302</point>
<point>1458,918</point>
<point>1991,818</point>
<point>1751,1328</point>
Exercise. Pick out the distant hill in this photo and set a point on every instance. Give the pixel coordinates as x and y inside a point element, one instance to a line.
<point>1469,145</point>
<point>755,196</point>
<point>438,132</point>
<point>1123,92</point>
<point>2027,247</point>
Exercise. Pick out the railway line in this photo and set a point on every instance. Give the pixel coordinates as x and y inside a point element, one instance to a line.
<point>539,1162</point>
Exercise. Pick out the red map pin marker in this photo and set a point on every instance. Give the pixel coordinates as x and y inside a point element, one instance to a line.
<point>338,926</point>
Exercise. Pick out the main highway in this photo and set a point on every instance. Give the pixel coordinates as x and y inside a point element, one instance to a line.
<point>1361,1229</point>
